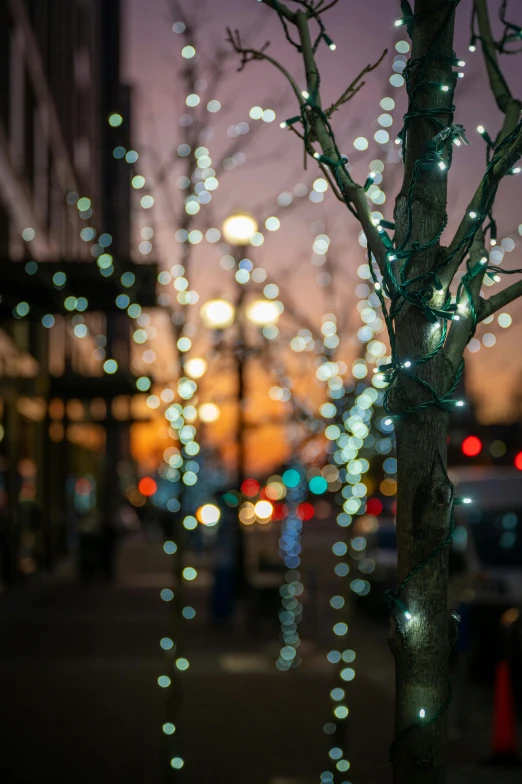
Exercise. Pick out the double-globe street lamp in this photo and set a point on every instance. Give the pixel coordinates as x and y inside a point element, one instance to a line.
<point>221,314</point>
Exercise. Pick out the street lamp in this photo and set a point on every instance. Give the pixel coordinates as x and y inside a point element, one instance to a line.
<point>208,412</point>
<point>262,312</point>
<point>195,367</point>
<point>239,228</point>
<point>218,314</point>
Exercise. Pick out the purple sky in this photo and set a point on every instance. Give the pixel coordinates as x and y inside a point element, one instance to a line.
<point>274,160</point>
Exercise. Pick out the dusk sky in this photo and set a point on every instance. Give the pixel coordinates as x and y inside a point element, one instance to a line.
<point>274,159</point>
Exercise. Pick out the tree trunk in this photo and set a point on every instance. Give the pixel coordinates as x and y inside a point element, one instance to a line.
<point>421,645</point>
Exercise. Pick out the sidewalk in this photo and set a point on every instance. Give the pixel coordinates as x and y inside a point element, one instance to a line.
<point>80,700</point>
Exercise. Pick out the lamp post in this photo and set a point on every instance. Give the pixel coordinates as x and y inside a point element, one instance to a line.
<point>238,230</point>
<point>218,314</point>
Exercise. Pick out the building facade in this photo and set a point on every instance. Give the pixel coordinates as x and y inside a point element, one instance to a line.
<point>64,202</point>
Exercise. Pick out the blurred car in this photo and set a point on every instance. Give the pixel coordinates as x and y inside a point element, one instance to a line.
<point>486,567</point>
<point>486,551</point>
<point>485,558</point>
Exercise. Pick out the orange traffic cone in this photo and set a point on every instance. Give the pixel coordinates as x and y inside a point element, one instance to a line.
<point>504,745</point>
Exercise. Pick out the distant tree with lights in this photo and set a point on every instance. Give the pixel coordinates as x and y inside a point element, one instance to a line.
<point>432,301</point>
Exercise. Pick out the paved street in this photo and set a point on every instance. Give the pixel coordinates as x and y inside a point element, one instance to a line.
<point>80,700</point>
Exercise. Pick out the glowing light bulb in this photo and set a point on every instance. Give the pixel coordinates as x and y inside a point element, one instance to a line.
<point>422,713</point>
<point>377,287</point>
<point>472,48</point>
<point>484,259</point>
<point>442,165</point>
<point>332,46</point>
<point>399,22</point>
<point>444,88</point>
<point>457,142</point>
<point>472,214</point>
<point>460,403</point>
<point>217,314</point>
<point>516,170</point>
<point>466,500</point>
<point>262,312</point>
<point>387,421</point>
<point>317,155</point>
<point>195,367</point>
<point>492,241</point>
<point>239,228</point>
<point>481,129</point>
<point>305,94</point>
<point>407,364</point>
<point>461,63</point>
<point>455,317</point>
<point>407,615</point>
<point>283,125</point>
<point>391,257</point>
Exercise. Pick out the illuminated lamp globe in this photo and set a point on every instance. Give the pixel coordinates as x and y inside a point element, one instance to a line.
<point>262,312</point>
<point>209,412</point>
<point>195,367</point>
<point>217,314</point>
<point>208,514</point>
<point>238,229</point>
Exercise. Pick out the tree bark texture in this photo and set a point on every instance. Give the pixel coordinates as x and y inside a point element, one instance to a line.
<point>421,645</point>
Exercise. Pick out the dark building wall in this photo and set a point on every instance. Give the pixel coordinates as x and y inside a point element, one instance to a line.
<point>75,45</point>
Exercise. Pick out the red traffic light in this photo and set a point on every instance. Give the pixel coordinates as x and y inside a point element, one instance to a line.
<point>373,506</point>
<point>471,446</point>
<point>518,461</point>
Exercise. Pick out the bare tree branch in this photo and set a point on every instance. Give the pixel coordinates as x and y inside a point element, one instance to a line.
<point>468,304</point>
<point>316,121</point>
<point>471,312</point>
<point>511,107</point>
<point>485,193</point>
<point>322,8</point>
<point>499,86</point>
<point>499,300</point>
<point>355,86</point>
<point>247,55</point>
<point>352,193</point>
<point>282,10</point>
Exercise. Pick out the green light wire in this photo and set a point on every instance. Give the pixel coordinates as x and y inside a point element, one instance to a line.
<point>421,723</point>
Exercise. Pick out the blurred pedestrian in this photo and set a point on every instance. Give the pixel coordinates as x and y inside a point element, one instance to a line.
<point>110,535</point>
<point>224,587</point>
